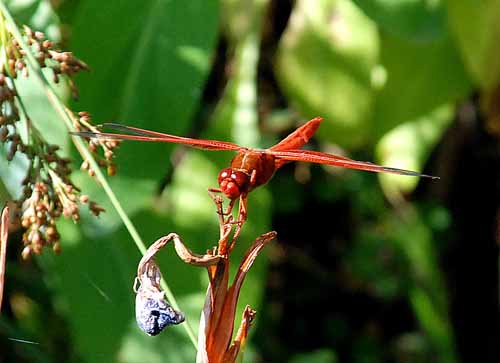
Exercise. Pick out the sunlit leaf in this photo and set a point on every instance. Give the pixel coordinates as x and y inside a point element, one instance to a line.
<point>476,27</point>
<point>13,172</point>
<point>154,84</point>
<point>324,65</point>
<point>408,146</point>
<point>44,119</point>
<point>38,14</point>
<point>416,78</point>
<point>42,114</point>
<point>148,69</point>
<point>417,20</point>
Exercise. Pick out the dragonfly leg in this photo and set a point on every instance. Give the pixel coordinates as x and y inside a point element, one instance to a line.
<point>224,222</point>
<point>229,209</point>
<point>242,217</point>
<point>253,177</point>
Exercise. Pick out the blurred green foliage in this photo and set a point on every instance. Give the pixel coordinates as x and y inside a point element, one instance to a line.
<point>386,75</point>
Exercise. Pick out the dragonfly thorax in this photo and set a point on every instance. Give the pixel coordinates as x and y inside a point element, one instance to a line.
<point>233,182</point>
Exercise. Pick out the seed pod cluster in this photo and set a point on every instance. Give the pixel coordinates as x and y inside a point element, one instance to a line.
<point>48,192</point>
<point>60,62</point>
<point>38,218</point>
<point>102,150</point>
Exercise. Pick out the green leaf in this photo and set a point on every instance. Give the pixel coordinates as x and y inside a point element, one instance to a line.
<point>427,294</point>
<point>475,26</point>
<point>416,78</point>
<point>148,69</point>
<point>408,146</point>
<point>418,20</point>
<point>419,82</point>
<point>94,279</point>
<point>38,14</point>
<point>142,198</point>
<point>432,321</point>
<point>95,274</point>
<point>324,65</point>
<point>138,347</point>
<point>13,173</point>
<point>319,355</point>
<point>44,119</point>
<point>156,84</point>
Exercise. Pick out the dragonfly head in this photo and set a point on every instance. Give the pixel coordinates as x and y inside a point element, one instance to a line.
<point>233,182</point>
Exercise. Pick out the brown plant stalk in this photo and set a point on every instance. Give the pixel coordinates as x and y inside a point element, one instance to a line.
<point>153,312</point>
<point>4,234</point>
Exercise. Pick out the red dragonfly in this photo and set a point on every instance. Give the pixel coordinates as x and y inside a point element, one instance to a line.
<point>251,168</point>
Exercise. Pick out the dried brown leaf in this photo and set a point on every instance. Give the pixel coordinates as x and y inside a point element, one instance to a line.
<point>220,337</point>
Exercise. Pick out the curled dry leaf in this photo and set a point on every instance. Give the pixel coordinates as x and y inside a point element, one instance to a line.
<point>152,310</point>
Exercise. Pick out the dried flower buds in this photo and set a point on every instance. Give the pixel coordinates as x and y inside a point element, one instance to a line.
<point>48,194</point>
<point>107,147</point>
<point>48,191</point>
<point>61,63</point>
<point>38,217</point>
<point>44,201</point>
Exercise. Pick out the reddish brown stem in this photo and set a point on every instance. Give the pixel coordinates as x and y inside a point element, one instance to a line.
<point>4,234</point>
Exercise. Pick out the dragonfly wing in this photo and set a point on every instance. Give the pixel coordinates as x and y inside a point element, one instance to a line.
<point>135,130</point>
<point>133,133</point>
<point>336,160</point>
<point>299,137</point>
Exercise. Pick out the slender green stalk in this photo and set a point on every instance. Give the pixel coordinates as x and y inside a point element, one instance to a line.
<point>66,115</point>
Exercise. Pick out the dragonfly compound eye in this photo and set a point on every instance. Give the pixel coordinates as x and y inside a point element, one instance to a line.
<point>233,182</point>
<point>224,174</point>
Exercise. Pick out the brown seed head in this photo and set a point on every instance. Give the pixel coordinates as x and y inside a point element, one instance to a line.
<point>26,253</point>
<point>57,247</point>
